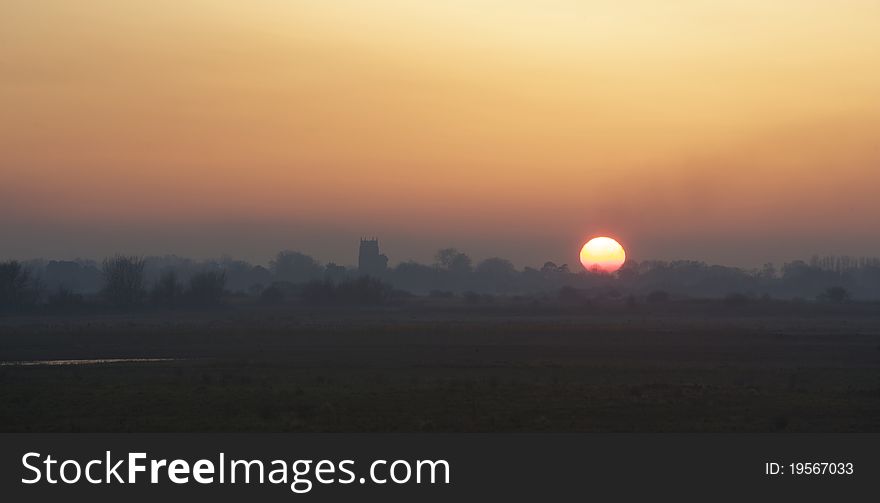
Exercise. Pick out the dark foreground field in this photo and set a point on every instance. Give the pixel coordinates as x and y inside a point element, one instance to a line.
<point>420,369</point>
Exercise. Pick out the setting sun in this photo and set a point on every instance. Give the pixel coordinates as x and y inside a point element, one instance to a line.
<point>602,254</point>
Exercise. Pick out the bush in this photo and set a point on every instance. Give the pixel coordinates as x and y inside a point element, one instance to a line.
<point>364,290</point>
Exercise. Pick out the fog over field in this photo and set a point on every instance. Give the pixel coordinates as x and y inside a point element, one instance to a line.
<point>341,215</point>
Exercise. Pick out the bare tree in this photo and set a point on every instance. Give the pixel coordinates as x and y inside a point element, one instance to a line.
<point>18,288</point>
<point>123,280</point>
<point>167,291</point>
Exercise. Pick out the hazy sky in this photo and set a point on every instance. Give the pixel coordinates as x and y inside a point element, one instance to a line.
<point>733,132</point>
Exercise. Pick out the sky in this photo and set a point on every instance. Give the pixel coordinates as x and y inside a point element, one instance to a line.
<point>731,132</point>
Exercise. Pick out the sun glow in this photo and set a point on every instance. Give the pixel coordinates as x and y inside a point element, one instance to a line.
<point>602,254</point>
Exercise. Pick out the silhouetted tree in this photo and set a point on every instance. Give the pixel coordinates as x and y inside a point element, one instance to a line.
<point>365,290</point>
<point>496,267</point>
<point>167,291</point>
<point>295,267</point>
<point>18,288</point>
<point>549,267</point>
<point>241,275</point>
<point>64,298</point>
<point>453,260</point>
<point>628,273</point>
<point>77,276</point>
<point>497,273</point>
<point>318,292</point>
<point>799,277</point>
<point>417,277</point>
<point>123,280</point>
<point>206,288</point>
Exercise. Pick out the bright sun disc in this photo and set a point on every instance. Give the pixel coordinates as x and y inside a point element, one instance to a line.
<point>602,255</point>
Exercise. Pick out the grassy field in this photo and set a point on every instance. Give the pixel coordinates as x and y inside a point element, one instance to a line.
<point>423,368</point>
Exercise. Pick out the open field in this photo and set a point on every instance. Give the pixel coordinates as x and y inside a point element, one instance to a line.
<point>289,368</point>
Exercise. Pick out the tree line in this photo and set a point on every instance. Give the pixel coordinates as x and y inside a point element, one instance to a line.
<point>171,281</point>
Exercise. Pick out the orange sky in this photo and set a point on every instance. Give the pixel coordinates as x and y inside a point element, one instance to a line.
<point>734,132</point>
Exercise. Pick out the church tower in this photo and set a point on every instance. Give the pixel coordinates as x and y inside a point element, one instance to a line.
<point>370,261</point>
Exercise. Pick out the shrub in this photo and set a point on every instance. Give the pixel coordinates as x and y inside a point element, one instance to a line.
<point>365,290</point>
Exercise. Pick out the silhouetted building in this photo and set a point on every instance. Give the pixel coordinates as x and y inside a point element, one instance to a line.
<point>334,273</point>
<point>370,261</point>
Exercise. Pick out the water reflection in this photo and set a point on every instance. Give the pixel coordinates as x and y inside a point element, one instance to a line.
<point>83,362</point>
